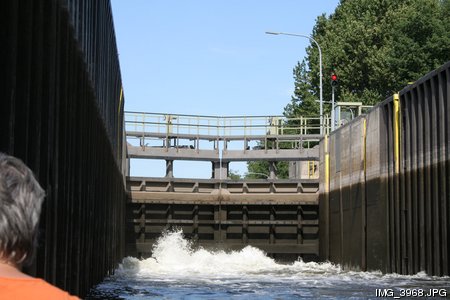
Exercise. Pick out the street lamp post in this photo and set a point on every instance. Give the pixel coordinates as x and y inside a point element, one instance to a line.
<point>320,63</point>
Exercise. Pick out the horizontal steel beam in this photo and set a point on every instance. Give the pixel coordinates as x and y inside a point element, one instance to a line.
<point>226,222</point>
<point>172,153</point>
<point>187,185</point>
<point>138,179</point>
<point>227,155</point>
<point>215,137</point>
<point>271,155</point>
<point>223,198</point>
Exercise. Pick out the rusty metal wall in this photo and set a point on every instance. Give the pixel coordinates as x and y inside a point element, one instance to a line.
<point>62,114</point>
<point>385,203</point>
<point>278,216</point>
<point>285,231</point>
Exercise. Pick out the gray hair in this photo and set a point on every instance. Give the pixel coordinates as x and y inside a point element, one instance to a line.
<point>21,198</point>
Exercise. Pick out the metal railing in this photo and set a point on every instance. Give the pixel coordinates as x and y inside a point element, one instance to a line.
<point>222,127</point>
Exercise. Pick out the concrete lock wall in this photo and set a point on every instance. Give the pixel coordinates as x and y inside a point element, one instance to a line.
<point>62,114</point>
<point>384,193</point>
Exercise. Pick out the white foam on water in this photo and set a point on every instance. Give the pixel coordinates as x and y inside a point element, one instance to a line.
<point>174,258</point>
<point>173,255</point>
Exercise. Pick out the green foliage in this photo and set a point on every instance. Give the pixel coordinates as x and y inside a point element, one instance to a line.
<point>375,47</point>
<point>260,170</point>
<point>303,102</point>
<point>234,175</point>
<point>282,169</point>
<point>256,169</point>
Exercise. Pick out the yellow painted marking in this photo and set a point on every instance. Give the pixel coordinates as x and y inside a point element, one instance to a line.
<point>397,133</point>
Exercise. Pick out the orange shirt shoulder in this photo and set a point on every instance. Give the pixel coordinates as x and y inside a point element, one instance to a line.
<point>31,288</point>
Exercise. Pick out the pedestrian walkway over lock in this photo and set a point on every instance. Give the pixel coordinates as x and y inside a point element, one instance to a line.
<point>241,138</point>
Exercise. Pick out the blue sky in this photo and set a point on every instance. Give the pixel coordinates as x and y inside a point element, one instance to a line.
<point>210,58</point>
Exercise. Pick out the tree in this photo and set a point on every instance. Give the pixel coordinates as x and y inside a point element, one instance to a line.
<point>376,47</point>
<point>303,102</point>
<point>234,175</point>
<point>260,169</point>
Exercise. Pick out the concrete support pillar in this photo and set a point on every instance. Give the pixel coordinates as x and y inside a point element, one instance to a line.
<point>169,168</point>
<point>294,170</point>
<point>219,172</point>
<point>272,170</point>
<point>303,170</point>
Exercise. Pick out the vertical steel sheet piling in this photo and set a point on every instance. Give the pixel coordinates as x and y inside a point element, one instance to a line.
<point>62,114</point>
<point>425,167</point>
<point>405,226</point>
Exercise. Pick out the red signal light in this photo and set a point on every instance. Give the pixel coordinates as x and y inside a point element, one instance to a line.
<point>334,80</point>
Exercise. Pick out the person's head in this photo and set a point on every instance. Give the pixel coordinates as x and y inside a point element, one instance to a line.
<point>20,206</point>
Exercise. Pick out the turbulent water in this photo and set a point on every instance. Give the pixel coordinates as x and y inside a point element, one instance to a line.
<point>177,271</point>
